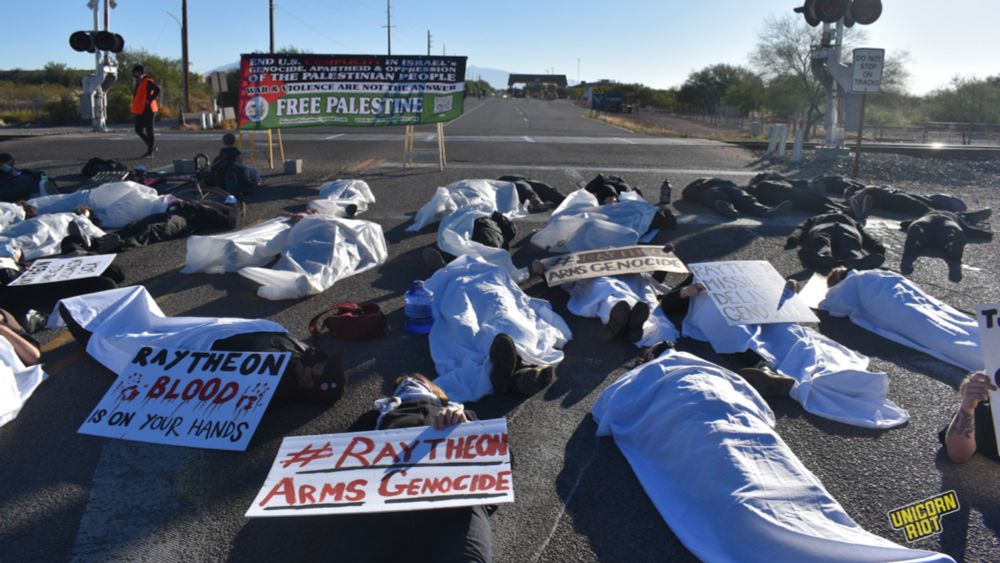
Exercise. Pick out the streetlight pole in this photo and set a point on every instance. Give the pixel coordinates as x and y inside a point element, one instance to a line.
<point>184,55</point>
<point>388,28</point>
<point>271,24</point>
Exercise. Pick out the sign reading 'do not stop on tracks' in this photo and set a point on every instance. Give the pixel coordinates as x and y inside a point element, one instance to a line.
<point>868,65</point>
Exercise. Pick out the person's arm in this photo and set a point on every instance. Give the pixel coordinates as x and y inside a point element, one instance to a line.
<point>678,300</point>
<point>28,352</point>
<point>152,91</point>
<point>796,237</point>
<point>869,242</point>
<point>449,416</point>
<point>960,440</point>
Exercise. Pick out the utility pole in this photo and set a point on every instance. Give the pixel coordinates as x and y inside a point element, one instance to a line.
<point>444,49</point>
<point>271,23</point>
<point>578,70</point>
<point>388,27</point>
<point>428,42</point>
<point>184,56</point>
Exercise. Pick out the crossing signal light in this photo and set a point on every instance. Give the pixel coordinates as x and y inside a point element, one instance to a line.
<point>92,41</point>
<point>864,12</point>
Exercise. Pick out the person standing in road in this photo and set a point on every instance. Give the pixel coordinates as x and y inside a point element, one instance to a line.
<point>144,107</point>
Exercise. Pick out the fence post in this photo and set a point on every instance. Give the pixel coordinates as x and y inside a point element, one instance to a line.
<point>782,141</point>
<point>772,139</point>
<point>797,147</point>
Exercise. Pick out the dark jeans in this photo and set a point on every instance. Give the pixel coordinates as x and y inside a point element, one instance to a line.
<point>19,299</point>
<point>771,193</point>
<point>447,535</point>
<point>533,189</point>
<point>144,128</point>
<point>830,243</point>
<point>156,228</point>
<point>741,200</point>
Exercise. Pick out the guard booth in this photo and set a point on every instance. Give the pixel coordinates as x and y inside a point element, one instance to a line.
<point>553,86</point>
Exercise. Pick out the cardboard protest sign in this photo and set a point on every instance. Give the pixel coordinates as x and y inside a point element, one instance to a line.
<point>751,292</point>
<point>388,471</point>
<point>64,269</point>
<point>208,400</point>
<point>302,90</point>
<point>989,338</point>
<point>611,262</point>
<point>814,291</point>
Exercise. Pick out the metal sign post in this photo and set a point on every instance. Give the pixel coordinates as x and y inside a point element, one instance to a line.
<point>867,77</point>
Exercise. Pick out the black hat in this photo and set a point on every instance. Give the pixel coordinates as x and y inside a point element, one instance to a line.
<point>138,68</point>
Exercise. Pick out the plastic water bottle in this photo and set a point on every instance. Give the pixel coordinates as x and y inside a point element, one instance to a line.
<point>230,200</point>
<point>419,310</point>
<point>665,190</point>
<point>42,189</point>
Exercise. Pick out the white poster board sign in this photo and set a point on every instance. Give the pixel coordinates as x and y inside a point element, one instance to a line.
<point>989,337</point>
<point>611,262</point>
<point>388,471</point>
<point>210,400</point>
<point>751,292</point>
<point>53,270</point>
<point>867,70</point>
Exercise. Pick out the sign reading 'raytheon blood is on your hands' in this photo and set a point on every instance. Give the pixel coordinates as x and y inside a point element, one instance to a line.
<point>389,470</point>
<point>299,90</point>
<point>187,398</point>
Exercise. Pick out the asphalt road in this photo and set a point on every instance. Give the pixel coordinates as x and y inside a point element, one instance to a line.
<point>66,496</point>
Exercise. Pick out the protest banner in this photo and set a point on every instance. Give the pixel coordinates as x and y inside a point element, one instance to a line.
<point>208,400</point>
<point>751,292</point>
<point>611,262</point>
<point>64,269</point>
<point>389,471</point>
<point>302,90</point>
<point>989,338</point>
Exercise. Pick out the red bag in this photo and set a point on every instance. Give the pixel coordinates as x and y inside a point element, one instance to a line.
<point>350,321</point>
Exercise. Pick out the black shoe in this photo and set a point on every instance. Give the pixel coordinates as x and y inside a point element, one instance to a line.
<point>536,206</point>
<point>350,211</point>
<point>74,231</point>
<point>503,355</point>
<point>618,320</point>
<point>780,209</point>
<point>653,352</point>
<point>726,209</point>
<point>977,216</point>
<point>531,380</point>
<point>767,382</point>
<point>432,258</point>
<point>637,317</point>
<point>109,243</point>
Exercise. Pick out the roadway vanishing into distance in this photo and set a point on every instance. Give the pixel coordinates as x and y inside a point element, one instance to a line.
<point>67,496</point>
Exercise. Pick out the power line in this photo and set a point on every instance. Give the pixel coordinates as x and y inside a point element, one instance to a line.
<point>308,26</point>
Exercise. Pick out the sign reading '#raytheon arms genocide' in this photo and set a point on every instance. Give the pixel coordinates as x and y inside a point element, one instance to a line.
<point>298,90</point>
<point>751,292</point>
<point>389,470</point>
<point>185,398</point>
<point>989,337</point>
<point>65,269</point>
<point>867,67</point>
<point>612,262</point>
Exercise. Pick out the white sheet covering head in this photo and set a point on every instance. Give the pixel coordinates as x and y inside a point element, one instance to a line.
<point>17,382</point>
<point>319,251</point>
<point>580,223</point>
<point>595,297</point>
<point>831,381</point>
<point>493,194</point>
<point>473,302</point>
<point>123,320</point>
<point>42,236</point>
<point>455,238</point>
<point>335,196</point>
<point>115,204</point>
<point>10,213</point>
<point>894,307</point>
<point>228,252</point>
<point>702,443</point>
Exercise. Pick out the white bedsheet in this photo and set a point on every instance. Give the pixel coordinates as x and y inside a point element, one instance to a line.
<point>595,297</point>
<point>493,194</point>
<point>894,307</point>
<point>335,196</point>
<point>579,223</point>
<point>17,382</point>
<point>473,302</point>
<point>455,238</point>
<point>42,236</point>
<point>115,204</point>
<point>702,444</point>
<point>10,213</point>
<point>228,252</point>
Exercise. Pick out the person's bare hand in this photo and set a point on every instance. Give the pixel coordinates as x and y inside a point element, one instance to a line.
<point>450,416</point>
<point>977,390</point>
<point>693,290</point>
<point>669,247</point>
<point>538,267</point>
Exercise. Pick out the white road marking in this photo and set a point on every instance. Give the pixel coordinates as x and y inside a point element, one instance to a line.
<point>528,139</point>
<point>32,164</point>
<point>331,137</point>
<point>626,141</point>
<point>465,113</point>
<point>612,169</point>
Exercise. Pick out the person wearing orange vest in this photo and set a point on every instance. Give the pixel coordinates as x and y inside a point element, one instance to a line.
<point>144,107</point>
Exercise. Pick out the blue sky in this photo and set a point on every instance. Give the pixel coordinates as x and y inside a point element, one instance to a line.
<point>656,42</point>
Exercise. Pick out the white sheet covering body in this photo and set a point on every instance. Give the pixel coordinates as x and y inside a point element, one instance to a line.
<point>580,223</point>
<point>319,251</point>
<point>228,252</point>
<point>17,382</point>
<point>42,236</point>
<point>115,204</point>
<point>124,320</point>
<point>335,196</point>
<point>10,213</point>
<point>455,238</point>
<point>702,443</point>
<point>473,302</point>
<point>494,194</point>
<point>894,307</point>
<point>595,297</point>
<point>832,381</point>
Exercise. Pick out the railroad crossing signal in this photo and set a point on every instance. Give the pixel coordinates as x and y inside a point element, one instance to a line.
<point>91,41</point>
<point>864,12</point>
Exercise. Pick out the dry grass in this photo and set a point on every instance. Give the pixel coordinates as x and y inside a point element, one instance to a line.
<point>637,125</point>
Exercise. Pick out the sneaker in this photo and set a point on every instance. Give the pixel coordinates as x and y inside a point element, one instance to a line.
<point>767,382</point>
<point>73,229</point>
<point>780,209</point>
<point>618,320</point>
<point>503,356</point>
<point>350,211</point>
<point>432,258</point>
<point>726,209</point>
<point>109,243</point>
<point>536,206</point>
<point>531,380</point>
<point>35,321</point>
<point>977,216</point>
<point>637,318</point>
